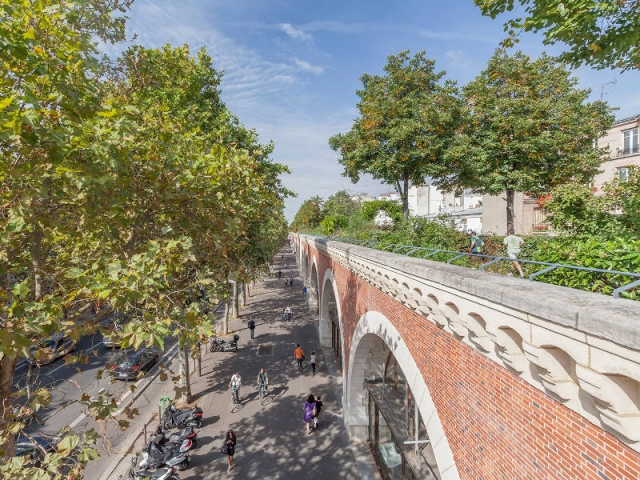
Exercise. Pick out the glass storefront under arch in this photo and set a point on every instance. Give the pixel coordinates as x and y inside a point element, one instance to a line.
<point>396,434</point>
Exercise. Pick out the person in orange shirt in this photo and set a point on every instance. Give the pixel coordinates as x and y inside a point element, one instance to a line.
<point>298,354</point>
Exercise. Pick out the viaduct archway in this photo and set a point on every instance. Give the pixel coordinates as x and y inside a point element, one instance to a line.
<point>455,373</point>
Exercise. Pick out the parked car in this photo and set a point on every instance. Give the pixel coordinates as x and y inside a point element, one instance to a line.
<point>48,350</point>
<point>27,448</point>
<point>132,364</point>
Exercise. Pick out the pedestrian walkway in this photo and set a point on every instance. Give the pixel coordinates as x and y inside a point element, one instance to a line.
<point>271,438</point>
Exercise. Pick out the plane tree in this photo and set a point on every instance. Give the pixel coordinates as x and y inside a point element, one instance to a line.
<point>406,123</point>
<point>525,128</point>
<point>55,129</point>
<point>599,33</point>
<point>126,187</point>
<point>196,180</point>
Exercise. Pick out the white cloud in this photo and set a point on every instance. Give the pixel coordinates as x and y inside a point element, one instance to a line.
<point>294,32</point>
<point>307,67</point>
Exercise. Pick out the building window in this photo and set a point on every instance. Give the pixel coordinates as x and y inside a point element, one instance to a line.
<point>630,141</point>
<point>623,173</point>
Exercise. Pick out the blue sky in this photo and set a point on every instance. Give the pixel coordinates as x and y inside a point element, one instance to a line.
<point>292,68</point>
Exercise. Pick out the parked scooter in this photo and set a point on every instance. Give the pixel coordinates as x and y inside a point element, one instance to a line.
<point>174,418</point>
<point>176,438</point>
<point>160,474</point>
<point>156,456</point>
<point>219,345</point>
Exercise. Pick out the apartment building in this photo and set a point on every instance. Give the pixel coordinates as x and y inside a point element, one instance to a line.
<point>530,214</point>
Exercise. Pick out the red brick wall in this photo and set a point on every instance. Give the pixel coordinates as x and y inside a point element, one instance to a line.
<point>497,425</point>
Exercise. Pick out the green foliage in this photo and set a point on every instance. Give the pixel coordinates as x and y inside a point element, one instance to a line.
<point>599,33</point>
<point>371,209</point>
<point>621,254</point>
<point>339,203</point>
<point>332,223</point>
<point>574,209</point>
<point>525,128</point>
<point>133,185</point>
<point>407,119</point>
<point>308,216</point>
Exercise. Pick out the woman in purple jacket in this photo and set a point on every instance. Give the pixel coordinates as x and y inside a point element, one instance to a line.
<point>309,407</point>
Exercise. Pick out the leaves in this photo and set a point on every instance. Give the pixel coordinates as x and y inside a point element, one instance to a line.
<point>599,33</point>
<point>408,118</point>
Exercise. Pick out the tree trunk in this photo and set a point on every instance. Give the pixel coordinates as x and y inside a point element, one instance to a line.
<point>225,320</point>
<point>403,190</point>
<point>510,206</point>
<point>245,287</point>
<point>234,298</point>
<point>7,367</point>
<point>36,261</point>
<point>185,381</point>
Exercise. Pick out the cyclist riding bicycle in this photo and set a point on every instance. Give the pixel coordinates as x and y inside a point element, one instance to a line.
<point>263,381</point>
<point>235,383</point>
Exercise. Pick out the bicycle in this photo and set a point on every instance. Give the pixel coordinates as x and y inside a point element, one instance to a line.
<point>262,390</point>
<point>235,398</point>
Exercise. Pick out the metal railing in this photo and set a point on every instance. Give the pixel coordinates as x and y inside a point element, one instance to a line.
<point>410,250</point>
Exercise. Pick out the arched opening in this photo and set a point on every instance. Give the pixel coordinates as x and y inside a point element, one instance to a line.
<point>389,405</point>
<point>330,326</point>
<point>314,294</point>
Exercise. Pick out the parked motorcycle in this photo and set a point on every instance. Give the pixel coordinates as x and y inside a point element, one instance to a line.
<point>157,456</point>
<point>168,473</point>
<point>174,418</point>
<point>219,345</point>
<point>187,433</point>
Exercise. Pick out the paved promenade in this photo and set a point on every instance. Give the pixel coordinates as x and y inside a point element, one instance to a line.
<point>272,442</point>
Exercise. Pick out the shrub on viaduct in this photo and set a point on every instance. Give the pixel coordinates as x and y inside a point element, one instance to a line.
<point>512,379</point>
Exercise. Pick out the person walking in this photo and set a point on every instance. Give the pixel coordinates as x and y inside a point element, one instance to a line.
<point>287,312</point>
<point>513,244</point>
<point>252,326</point>
<point>304,292</point>
<point>279,273</point>
<point>309,409</point>
<point>318,410</point>
<point>476,243</point>
<point>234,384</point>
<point>298,354</point>
<point>312,360</point>
<point>291,281</point>
<point>230,448</point>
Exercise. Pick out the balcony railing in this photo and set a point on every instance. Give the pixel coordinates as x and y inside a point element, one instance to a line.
<point>621,152</point>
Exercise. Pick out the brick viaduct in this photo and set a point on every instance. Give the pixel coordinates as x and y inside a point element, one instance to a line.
<point>491,376</point>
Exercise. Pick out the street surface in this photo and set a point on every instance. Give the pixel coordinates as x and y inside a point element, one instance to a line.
<point>272,442</point>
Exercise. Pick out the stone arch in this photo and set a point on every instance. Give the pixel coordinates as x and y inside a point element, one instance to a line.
<point>305,263</point>
<point>314,292</point>
<point>373,331</point>
<point>330,317</point>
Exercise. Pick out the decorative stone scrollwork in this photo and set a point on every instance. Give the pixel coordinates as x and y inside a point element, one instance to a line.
<point>508,348</point>
<point>478,336</point>
<point>455,324</point>
<point>617,399</point>
<point>555,368</point>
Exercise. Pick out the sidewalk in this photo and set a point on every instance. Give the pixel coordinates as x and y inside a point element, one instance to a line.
<point>272,442</point>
